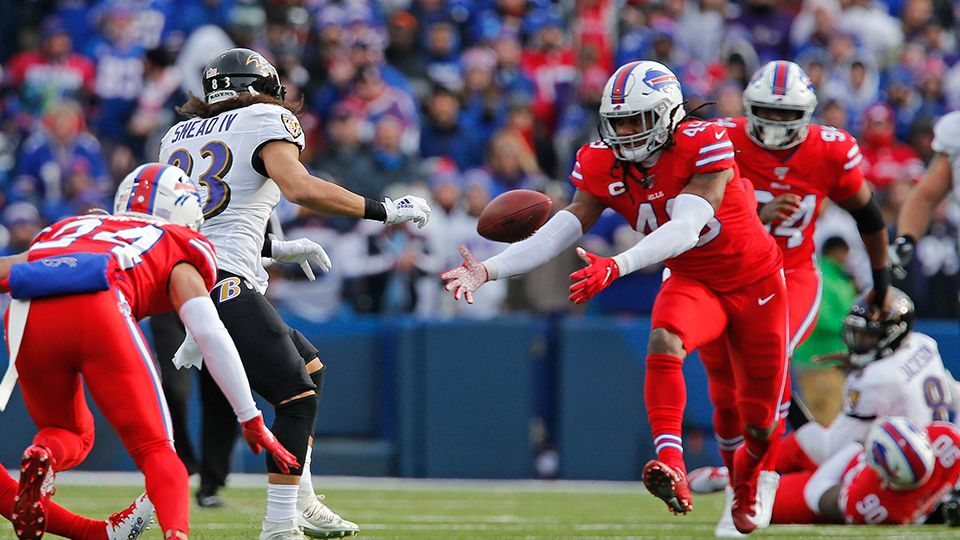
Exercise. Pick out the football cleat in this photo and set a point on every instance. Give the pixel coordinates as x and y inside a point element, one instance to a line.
<point>29,515</point>
<point>725,528</point>
<point>319,521</point>
<point>709,479</point>
<point>132,522</point>
<point>280,530</point>
<point>668,485</point>
<point>766,495</point>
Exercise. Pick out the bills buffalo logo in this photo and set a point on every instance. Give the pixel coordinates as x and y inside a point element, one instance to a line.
<point>659,80</point>
<point>880,458</point>
<point>60,261</point>
<point>292,125</point>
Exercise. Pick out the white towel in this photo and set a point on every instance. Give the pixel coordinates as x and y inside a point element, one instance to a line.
<point>16,322</point>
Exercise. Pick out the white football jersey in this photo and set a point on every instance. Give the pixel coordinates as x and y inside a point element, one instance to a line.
<point>946,140</point>
<point>221,154</point>
<point>911,382</point>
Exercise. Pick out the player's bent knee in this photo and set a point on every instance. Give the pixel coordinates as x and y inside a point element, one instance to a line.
<point>663,341</point>
<point>761,433</point>
<point>293,427</point>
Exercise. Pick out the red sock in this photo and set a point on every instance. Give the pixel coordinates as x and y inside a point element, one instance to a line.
<point>776,440</point>
<point>749,458</point>
<point>167,486</point>
<point>727,431</point>
<point>666,396</point>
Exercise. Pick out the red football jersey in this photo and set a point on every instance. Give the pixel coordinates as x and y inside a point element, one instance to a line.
<point>824,165</point>
<point>864,500</point>
<point>733,250</point>
<point>145,253</point>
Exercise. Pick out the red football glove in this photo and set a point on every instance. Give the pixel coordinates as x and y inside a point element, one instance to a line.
<point>599,273</point>
<point>259,437</point>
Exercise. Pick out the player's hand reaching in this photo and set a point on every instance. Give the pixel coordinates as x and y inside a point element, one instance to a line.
<point>599,273</point>
<point>259,438</point>
<point>466,278</point>
<point>781,207</point>
<point>300,251</point>
<point>900,254</point>
<point>407,208</point>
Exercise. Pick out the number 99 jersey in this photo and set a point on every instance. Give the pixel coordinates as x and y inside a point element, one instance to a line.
<point>222,153</point>
<point>825,164</point>
<point>145,253</point>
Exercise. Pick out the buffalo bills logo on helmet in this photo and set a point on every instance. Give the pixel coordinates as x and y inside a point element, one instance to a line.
<point>880,458</point>
<point>658,80</point>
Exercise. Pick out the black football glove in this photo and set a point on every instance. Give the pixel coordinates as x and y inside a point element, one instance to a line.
<point>901,253</point>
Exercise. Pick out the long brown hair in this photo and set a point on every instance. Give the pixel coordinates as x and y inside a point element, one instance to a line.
<point>196,107</point>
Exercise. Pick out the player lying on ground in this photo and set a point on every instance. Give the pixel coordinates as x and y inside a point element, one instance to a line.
<point>128,524</point>
<point>794,166</point>
<point>243,142</point>
<point>675,180</point>
<point>90,278</point>
<point>898,477</point>
<point>892,371</point>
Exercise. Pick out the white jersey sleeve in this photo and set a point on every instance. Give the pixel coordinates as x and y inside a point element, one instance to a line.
<point>911,382</point>
<point>946,140</point>
<point>222,154</point>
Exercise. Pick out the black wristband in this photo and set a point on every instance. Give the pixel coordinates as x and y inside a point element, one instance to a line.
<point>374,210</point>
<point>881,283</point>
<point>267,250</point>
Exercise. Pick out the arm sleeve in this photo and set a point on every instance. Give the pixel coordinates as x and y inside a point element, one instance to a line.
<point>690,215</point>
<point>556,235</point>
<point>200,317</point>
<point>847,160</point>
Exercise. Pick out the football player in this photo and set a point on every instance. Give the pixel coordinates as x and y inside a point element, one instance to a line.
<point>897,477</point>
<point>242,143</point>
<point>933,189</point>
<point>128,524</point>
<point>794,166</point>
<point>87,280</point>
<point>676,180</point>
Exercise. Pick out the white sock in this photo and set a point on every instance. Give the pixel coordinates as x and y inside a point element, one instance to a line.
<point>281,502</point>
<point>306,480</point>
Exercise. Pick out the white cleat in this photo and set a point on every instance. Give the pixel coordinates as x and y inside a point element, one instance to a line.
<point>280,530</point>
<point>319,521</point>
<point>726,528</point>
<point>766,494</point>
<point>129,524</point>
<point>708,479</point>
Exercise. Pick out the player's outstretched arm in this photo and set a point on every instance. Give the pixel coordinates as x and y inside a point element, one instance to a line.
<point>915,214</point>
<point>556,235</point>
<point>282,161</point>
<point>865,210</point>
<point>191,300</point>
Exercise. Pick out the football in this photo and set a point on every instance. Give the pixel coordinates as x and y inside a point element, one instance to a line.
<point>514,215</point>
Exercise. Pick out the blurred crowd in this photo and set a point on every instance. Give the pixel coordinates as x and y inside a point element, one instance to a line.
<point>462,100</point>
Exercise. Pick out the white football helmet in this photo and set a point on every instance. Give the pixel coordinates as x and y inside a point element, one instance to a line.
<point>160,191</point>
<point>779,85</point>
<point>899,452</point>
<point>650,90</point>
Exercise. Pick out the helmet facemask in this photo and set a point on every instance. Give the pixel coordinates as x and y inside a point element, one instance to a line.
<point>652,131</point>
<point>777,134</point>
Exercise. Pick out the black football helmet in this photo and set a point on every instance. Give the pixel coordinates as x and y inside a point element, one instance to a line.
<point>870,340</point>
<point>240,70</point>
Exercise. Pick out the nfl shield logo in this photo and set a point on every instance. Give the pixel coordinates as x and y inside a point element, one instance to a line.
<point>781,172</point>
<point>211,72</point>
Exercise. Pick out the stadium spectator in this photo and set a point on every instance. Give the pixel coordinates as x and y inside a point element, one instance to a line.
<point>885,159</point>
<point>767,26</point>
<point>511,163</point>
<point>482,100</point>
<point>448,132</point>
<point>50,154</point>
<point>820,385</point>
<point>51,72</point>
<point>550,63</point>
<point>120,67</point>
<point>347,159</point>
<point>373,98</point>
<point>153,113</point>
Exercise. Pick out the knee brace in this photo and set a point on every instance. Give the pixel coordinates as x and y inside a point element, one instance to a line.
<point>293,426</point>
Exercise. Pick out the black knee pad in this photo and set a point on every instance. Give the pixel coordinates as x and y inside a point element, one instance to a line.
<point>293,427</point>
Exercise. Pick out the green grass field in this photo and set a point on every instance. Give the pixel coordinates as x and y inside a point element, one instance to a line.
<point>498,510</point>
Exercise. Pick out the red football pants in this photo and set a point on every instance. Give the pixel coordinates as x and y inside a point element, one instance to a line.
<point>803,292</point>
<point>751,322</point>
<point>94,335</point>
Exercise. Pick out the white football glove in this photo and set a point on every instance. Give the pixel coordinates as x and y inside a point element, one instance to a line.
<point>407,208</point>
<point>188,355</point>
<point>300,251</point>
<point>466,278</point>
